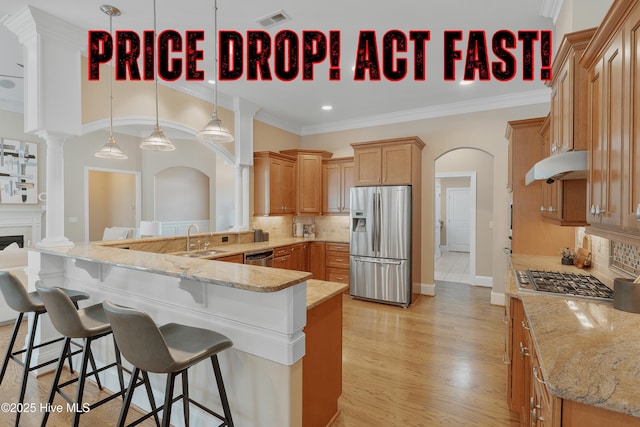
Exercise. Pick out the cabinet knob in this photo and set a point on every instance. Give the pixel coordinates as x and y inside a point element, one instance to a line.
<point>542,209</point>
<point>593,210</point>
<point>524,351</point>
<point>536,376</point>
<point>551,209</point>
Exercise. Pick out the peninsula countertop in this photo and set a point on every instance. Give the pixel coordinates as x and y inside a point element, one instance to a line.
<point>239,276</point>
<point>588,350</point>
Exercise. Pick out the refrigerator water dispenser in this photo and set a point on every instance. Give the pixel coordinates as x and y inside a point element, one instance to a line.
<point>359,225</point>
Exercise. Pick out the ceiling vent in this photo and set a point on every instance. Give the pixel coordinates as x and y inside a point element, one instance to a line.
<point>273,18</point>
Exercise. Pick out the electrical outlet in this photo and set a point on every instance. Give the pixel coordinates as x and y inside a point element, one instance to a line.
<point>225,238</point>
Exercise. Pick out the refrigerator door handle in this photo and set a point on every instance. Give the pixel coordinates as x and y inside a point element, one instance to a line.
<point>379,217</point>
<point>374,225</point>
<point>376,261</point>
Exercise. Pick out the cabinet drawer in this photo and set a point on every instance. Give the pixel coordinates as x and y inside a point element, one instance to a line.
<point>339,275</point>
<point>238,259</point>
<point>338,247</point>
<point>282,262</point>
<point>286,250</point>
<point>337,260</point>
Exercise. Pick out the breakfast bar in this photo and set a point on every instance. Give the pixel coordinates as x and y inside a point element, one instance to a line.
<point>262,310</point>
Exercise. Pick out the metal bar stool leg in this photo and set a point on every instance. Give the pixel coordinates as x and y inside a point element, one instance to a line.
<point>56,380</point>
<point>93,367</point>
<point>119,365</point>
<point>185,396</point>
<point>168,398</point>
<point>12,342</point>
<point>27,364</point>
<point>152,400</point>
<point>221,390</point>
<point>127,398</point>
<point>86,352</point>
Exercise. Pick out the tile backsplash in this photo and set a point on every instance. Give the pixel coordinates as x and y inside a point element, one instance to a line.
<point>606,253</point>
<point>625,256</point>
<point>328,227</point>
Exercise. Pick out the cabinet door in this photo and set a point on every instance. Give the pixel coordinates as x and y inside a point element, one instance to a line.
<point>331,186</point>
<point>348,181</point>
<point>396,164</point>
<point>368,163</point>
<point>607,114</point>
<point>551,200</point>
<point>286,187</point>
<point>276,192</point>
<point>309,188</point>
<point>634,137</point>
<point>562,110</point>
<point>317,260</point>
<point>296,259</point>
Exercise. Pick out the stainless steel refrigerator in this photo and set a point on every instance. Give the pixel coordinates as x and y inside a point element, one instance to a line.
<point>380,244</point>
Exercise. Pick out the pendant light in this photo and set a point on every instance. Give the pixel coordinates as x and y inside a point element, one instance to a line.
<point>157,141</point>
<point>214,131</point>
<point>111,150</point>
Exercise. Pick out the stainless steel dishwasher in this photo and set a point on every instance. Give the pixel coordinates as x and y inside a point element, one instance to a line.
<point>263,258</point>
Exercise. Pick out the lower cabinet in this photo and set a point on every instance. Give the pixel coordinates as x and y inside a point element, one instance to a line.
<point>282,257</point>
<point>527,392</point>
<point>317,260</point>
<point>237,259</point>
<point>337,262</point>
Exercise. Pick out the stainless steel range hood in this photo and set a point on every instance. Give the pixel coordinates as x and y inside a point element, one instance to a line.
<point>567,165</point>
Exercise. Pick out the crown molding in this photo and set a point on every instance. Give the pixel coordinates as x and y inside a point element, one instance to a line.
<point>493,103</point>
<point>272,120</point>
<point>30,22</point>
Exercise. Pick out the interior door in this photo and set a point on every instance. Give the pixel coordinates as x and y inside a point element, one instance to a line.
<point>438,218</point>
<point>458,220</point>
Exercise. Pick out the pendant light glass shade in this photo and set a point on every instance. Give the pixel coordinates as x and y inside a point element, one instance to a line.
<point>111,150</point>
<point>157,141</point>
<point>215,131</point>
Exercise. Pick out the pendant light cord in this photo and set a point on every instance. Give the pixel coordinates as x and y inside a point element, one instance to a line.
<point>215,54</point>
<point>155,39</point>
<point>111,83</point>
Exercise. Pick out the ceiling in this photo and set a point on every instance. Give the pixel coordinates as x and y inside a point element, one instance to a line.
<point>296,105</point>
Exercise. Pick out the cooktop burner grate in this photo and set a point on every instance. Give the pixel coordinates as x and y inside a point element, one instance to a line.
<point>556,282</point>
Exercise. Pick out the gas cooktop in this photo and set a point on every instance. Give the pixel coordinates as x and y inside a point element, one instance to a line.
<point>555,282</point>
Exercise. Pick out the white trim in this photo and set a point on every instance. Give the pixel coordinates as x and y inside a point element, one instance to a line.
<point>541,96</point>
<point>29,218</point>
<point>472,202</point>
<point>551,9</point>
<point>269,119</point>
<point>427,289</point>
<point>138,184</point>
<point>486,281</point>
<point>497,298</point>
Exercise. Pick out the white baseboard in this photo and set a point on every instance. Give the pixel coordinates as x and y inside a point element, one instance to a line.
<point>486,281</point>
<point>497,298</point>
<point>427,289</point>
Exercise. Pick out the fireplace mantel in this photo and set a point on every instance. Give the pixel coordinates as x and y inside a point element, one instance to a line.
<point>30,218</point>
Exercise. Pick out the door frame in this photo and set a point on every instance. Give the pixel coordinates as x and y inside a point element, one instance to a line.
<point>138,189</point>
<point>472,214</point>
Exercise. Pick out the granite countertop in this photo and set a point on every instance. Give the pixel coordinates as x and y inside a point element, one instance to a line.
<point>241,248</point>
<point>319,291</point>
<point>588,350</point>
<point>239,276</point>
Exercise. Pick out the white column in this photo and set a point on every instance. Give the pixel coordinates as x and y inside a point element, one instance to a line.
<point>245,196</point>
<point>54,219</point>
<point>239,200</point>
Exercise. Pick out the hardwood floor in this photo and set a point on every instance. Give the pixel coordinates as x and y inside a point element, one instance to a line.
<point>437,363</point>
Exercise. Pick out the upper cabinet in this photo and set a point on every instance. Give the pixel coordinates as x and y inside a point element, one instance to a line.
<point>308,178</point>
<point>388,162</point>
<point>337,180</point>
<point>569,106</point>
<point>613,62</point>
<point>273,192</point>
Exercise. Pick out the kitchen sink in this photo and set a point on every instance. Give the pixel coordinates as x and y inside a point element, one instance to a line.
<point>198,254</point>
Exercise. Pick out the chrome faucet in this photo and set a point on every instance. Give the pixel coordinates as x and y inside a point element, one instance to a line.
<point>189,235</point>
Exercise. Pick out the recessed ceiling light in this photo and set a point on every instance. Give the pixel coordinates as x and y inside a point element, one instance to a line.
<point>327,107</point>
<point>465,82</point>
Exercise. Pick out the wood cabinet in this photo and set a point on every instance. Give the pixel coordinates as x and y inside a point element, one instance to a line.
<point>525,148</point>
<point>564,201</point>
<point>527,392</point>
<point>569,101</point>
<point>237,259</point>
<point>337,262</point>
<point>273,190</point>
<point>387,162</point>
<point>299,257</point>
<point>317,260</point>
<point>337,181</point>
<point>308,178</point>
<point>613,61</point>
<point>282,257</point>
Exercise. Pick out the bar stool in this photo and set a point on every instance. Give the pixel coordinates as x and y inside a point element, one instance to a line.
<point>169,349</point>
<point>23,302</point>
<point>89,323</point>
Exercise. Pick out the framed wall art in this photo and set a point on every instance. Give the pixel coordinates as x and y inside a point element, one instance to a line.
<point>18,172</point>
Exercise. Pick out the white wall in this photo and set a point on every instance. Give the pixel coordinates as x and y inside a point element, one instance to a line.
<point>181,194</point>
